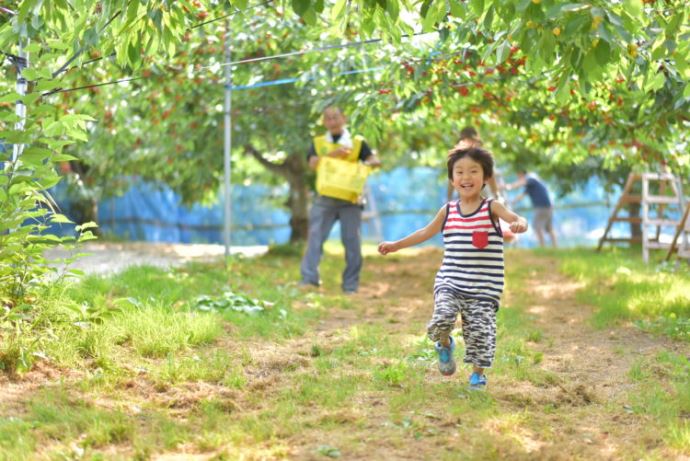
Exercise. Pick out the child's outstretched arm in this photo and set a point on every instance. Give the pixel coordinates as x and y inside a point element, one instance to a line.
<point>518,224</point>
<point>418,236</point>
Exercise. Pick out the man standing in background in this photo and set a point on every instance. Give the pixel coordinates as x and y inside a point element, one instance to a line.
<point>336,143</point>
<point>543,208</point>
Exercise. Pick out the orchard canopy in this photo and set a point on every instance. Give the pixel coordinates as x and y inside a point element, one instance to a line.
<point>553,84</point>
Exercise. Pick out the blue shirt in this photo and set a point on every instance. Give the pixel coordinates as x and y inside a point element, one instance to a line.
<point>537,192</point>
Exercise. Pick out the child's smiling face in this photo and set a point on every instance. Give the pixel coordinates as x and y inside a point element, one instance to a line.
<point>468,177</point>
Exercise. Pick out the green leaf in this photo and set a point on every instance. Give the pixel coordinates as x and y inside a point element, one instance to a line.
<point>547,46</point>
<point>46,85</point>
<point>338,9</point>
<point>25,9</point>
<point>301,6</point>
<point>45,239</point>
<point>434,15</point>
<point>35,155</point>
<point>489,18</point>
<point>558,10</point>
<point>132,54</point>
<point>310,17</point>
<point>77,134</point>
<point>30,74</point>
<point>563,93</point>
<point>633,7</point>
<point>86,225</point>
<point>477,6</point>
<point>85,237</point>
<point>603,52</point>
<point>457,9</point>
<point>53,129</point>
<point>58,218</point>
<point>656,83</point>
<point>10,97</point>
<point>591,67</point>
<point>393,9</point>
<point>424,9</point>
<point>523,5</point>
<point>502,52</point>
<point>132,10</point>
<point>63,158</point>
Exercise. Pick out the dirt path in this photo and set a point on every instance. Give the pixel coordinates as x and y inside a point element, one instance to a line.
<point>581,414</point>
<point>593,368</point>
<point>108,258</point>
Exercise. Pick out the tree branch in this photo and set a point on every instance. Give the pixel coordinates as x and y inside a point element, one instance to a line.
<point>277,168</point>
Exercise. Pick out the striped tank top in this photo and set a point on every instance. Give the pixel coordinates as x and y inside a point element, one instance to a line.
<point>473,258</point>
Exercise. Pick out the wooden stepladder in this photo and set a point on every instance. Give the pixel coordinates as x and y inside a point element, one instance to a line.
<point>683,228</point>
<point>660,200</point>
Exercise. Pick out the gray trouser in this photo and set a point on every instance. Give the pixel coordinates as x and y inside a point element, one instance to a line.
<point>324,212</point>
<point>478,325</point>
<point>543,218</point>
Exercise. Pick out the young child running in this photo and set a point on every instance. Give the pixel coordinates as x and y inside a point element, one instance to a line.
<point>470,280</point>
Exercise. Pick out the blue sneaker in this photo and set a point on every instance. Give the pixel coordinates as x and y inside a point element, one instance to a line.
<point>477,382</point>
<point>446,364</point>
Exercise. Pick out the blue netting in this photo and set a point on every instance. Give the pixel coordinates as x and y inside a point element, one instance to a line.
<point>406,199</point>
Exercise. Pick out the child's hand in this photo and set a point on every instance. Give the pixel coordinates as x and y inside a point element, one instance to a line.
<point>387,247</point>
<point>519,226</point>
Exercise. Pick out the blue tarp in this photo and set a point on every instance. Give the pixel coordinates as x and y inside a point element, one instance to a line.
<point>406,200</point>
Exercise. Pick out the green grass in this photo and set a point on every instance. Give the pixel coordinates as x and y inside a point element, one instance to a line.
<point>153,373</point>
<point>656,298</point>
<point>622,288</point>
<point>662,390</point>
<point>215,366</point>
<point>141,326</point>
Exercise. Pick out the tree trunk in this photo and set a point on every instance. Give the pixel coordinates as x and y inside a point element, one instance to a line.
<point>299,213</point>
<point>635,227</point>
<point>85,210</point>
<point>294,170</point>
<point>296,175</point>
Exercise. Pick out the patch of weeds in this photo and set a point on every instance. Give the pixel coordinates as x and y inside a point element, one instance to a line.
<point>329,451</point>
<point>280,421</point>
<point>157,331</point>
<point>423,351</point>
<point>286,250</point>
<point>57,416</point>
<point>327,391</point>
<point>669,325</point>
<point>233,301</point>
<point>662,391</point>
<point>95,343</point>
<point>535,336</point>
<point>653,297</point>
<point>214,367</point>
<point>16,354</point>
<point>17,439</point>
<point>394,374</point>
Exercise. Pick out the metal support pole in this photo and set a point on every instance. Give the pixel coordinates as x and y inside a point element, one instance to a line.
<point>227,196</point>
<point>21,62</point>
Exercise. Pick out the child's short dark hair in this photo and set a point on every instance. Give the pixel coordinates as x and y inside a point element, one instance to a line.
<point>478,154</point>
<point>469,132</point>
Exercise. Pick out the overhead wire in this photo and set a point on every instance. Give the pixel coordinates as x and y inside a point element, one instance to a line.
<point>243,61</point>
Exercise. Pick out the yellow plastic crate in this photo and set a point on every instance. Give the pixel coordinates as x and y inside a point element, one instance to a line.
<point>341,179</point>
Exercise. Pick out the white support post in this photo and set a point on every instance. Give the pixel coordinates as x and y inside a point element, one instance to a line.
<point>645,218</point>
<point>227,195</point>
<point>20,108</point>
